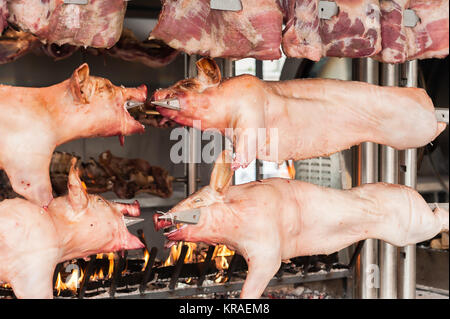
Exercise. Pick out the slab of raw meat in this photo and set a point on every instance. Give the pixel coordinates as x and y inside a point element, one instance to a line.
<point>97,24</point>
<point>191,26</point>
<point>354,32</point>
<point>428,39</point>
<point>276,219</point>
<point>3,15</point>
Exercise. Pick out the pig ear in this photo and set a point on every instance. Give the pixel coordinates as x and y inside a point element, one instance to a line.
<point>208,72</point>
<point>78,196</point>
<point>222,172</point>
<point>79,84</point>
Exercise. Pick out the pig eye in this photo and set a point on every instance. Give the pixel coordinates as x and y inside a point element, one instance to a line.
<point>198,200</point>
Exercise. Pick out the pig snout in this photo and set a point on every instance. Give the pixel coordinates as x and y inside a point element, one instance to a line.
<point>138,94</point>
<point>132,242</point>
<point>133,210</point>
<point>160,224</point>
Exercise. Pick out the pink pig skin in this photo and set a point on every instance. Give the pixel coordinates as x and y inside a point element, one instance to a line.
<point>36,120</point>
<point>313,117</point>
<point>33,241</point>
<point>276,219</point>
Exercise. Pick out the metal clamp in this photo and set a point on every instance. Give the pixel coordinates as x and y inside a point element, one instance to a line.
<point>191,216</point>
<point>76,1</point>
<point>438,205</point>
<point>226,5</point>
<point>327,9</point>
<point>442,114</point>
<point>410,18</point>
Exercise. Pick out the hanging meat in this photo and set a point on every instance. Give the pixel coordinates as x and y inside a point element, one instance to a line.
<point>191,26</point>
<point>97,24</point>
<point>126,177</point>
<point>300,119</point>
<point>136,176</point>
<point>34,241</point>
<point>15,44</point>
<point>427,39</point>
<point>36,120</point>
<point>276,219</point>
<point>151,53</point>
<point>353,32</point>
<point>3,15</point>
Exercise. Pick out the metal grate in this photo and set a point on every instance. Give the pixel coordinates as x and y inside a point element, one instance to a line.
<point>323,171</point>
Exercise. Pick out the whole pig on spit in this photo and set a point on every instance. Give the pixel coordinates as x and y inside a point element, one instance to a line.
<point>33,242</point>
<point>311,117</point>
<point>276,219</point>
<point>36,120</point>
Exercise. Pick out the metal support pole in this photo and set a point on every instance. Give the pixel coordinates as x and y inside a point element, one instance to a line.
<point>366,70</point>
<point>259,73</point>
<point>389,174</point>
<point>408,177</point>
<point>229,71</point>
<point>194,135</point>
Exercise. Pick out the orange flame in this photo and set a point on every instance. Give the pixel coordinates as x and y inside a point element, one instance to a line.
<point>72,282</point>
<point>291,169</point>
<point>175,252</point>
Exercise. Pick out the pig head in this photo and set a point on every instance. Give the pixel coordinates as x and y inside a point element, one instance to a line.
<point>276,219</point>
<point>33,242</point>
<point>36,120</point>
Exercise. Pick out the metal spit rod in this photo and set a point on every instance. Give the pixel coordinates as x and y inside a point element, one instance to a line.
<point>194,133</point>
<point>366,70</point>
<point>408,177</point>
<point>389,174</point>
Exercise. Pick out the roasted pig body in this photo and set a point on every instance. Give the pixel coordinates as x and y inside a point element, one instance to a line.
<point>34,241</point>
<point>276,219</point>
<point>191,26</point>
<point>353,32</point>
<point>97,24</point>
<point>36,120</point>
<point>428,39</point>
<point>308,118</point>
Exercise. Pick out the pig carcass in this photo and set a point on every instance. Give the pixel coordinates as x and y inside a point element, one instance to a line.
<point>33,242</point>
<point>428,39</point>
<point>36,120</point>
<point>276,219</point>
<point>191,26</point>
<point>353,32</point>
<point>97,24</point>
<point>300,119</point>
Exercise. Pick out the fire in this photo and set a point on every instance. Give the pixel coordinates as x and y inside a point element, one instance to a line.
<point>6,286</point>
<point>146,257</point>
<point>291,169</point>
<point>175,252</point>
<point>219,255</point>
<point>100,275</point>
<point>72,282</point>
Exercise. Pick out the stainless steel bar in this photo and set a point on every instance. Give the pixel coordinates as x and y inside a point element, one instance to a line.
<point>229,71</point>
<point>194,138</point>
<point>389,174</point>
<point>259,73</point>
<point>366,70</point>
<point>408,177</point>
